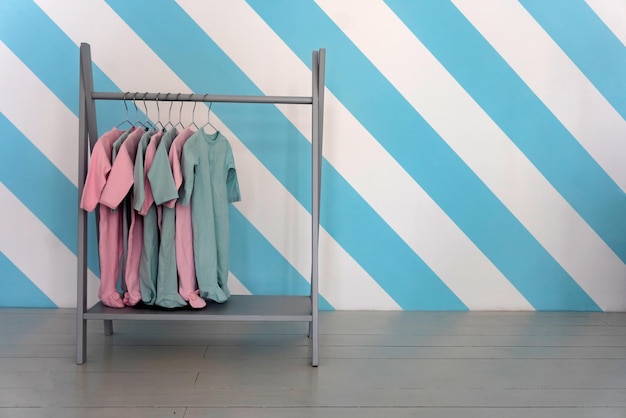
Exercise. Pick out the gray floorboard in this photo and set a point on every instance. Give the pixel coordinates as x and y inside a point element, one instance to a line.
<point>372,364</point>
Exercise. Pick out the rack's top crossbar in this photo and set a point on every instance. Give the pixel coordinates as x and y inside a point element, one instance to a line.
<point>188,97</point>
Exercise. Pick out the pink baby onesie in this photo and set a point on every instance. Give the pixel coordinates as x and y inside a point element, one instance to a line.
<point>118,185</point>
<point>187,284</point>
<point>110,225</point>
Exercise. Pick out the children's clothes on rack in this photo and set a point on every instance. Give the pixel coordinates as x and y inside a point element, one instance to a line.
<point>181,154</point>
<point>207,181</point>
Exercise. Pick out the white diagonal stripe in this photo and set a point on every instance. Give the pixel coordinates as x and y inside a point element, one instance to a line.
<point>613,14</point>
<point>406,207</point>
<point>38,113</point>
<point>554,78</point>
<point>462,123</point>
<point>265,200</point>
<point>26,241</point>
<point>235,286</point>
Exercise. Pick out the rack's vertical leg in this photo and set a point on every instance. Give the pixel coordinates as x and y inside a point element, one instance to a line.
<point>316,145</point>
<point>108,327</point>
<point>87,136</point>
<point>319,62</point>
<point>81,296</point>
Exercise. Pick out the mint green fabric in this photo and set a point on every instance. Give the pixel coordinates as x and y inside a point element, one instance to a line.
<point>160,174</point>
<point>139,188</point>
<point>164,189</point>
<point>209,185</point>
<point>147,266</point>
<point>118,143</point>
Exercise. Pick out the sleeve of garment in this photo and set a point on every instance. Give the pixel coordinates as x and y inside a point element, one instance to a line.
<point>120,180</point>
<point>188,164</point>
<point>99,168</point>
<point>139,190</point>
<point>232,184</point>
<point>161,179</point>
<point>177,172</point>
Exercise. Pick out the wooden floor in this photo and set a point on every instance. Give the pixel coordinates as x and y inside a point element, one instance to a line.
<point>372,365</point>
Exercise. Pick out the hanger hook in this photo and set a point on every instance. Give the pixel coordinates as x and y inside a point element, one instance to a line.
<point>169,113</point>
<point>193,111</point>
<point>180,111</point>
<point>144,105</point>
<point>126,105</point>
<point>208,120</point>
<point>135,104</point>
<point>158,108</point>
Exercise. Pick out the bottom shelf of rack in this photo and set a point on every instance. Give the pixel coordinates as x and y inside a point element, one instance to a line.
<point>237,308</point>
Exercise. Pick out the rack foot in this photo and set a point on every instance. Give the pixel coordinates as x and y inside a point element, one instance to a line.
<point>108,327</point>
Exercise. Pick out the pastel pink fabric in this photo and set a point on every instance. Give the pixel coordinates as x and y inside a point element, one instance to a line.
<point>110,225</point>
<point>121,178</point>
<point>131,272</point>
<point>118,185</point>
<point>187,284</point>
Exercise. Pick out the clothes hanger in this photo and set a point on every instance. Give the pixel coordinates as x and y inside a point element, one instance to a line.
<point>126,120</point>
<point>169,115</point>
<point>180,114</point>
<point>159,125</point>
<point>208,120</point>
<point>137,122</point>
<point>149,125</point>
<point>193,114</point>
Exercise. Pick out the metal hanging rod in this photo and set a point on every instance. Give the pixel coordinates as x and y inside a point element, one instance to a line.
<point>188,97</point>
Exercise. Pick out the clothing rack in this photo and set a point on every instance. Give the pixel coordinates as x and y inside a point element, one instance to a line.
<point>238,307</point>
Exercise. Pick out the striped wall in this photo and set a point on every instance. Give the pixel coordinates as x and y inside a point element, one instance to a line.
<point>475,150</point>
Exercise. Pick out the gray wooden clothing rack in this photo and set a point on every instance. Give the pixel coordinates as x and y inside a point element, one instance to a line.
<point>238,307</point>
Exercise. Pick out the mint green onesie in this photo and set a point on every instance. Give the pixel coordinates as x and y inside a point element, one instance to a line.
<point>209,185</point>
<point>164,190</point>
<point>148,260</point>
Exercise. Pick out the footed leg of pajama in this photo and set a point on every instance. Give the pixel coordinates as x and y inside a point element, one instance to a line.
<point>167,279</point>
<point>195,301</point>
<point>149,260</point>
<point>135,244</point>
<point>187,285</point>
<point>110,252</point>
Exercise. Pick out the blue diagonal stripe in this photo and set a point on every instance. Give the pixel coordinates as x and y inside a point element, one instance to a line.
<point>52,56</point>
<point>426,157</point>
<point>18,290</point>
<point>14,14</point>
<point>586,40</point>
<point>41,187</point>
<point>286,153</point>
<point>259,266</point>
<point>521,115</point>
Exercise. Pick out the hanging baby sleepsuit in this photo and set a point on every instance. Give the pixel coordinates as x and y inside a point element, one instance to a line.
<point>138,221</point>
<point>152,218</point>
<point>187,284</point>
<point>110,237</point>
<point>122,214</point>
<point>167,279</point>
<point>170,282</point>
<point>210,184</point>
<point>119,183</point>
